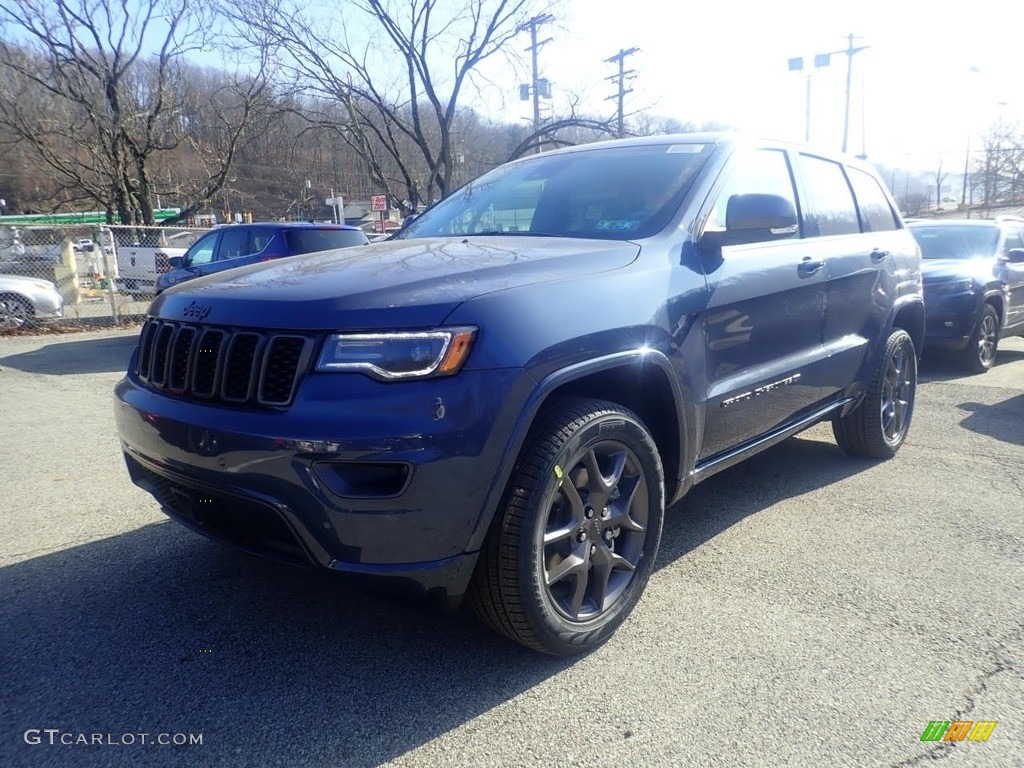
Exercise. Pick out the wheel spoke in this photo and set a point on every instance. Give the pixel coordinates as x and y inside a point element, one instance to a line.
<point>597,480</point>
<point>605,563</point>
<point>572,495</point>
<point>573,564</point>
<point>620,516</point>
<point>567,530</point>
<point>579,593</point>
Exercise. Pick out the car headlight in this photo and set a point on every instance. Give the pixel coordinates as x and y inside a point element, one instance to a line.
<point>398,355</point>
<point>953,286</point>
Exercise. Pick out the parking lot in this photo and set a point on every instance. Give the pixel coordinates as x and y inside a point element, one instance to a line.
<point>808,609</point>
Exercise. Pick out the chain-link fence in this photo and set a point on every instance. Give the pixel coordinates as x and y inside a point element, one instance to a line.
<point>100,273</point>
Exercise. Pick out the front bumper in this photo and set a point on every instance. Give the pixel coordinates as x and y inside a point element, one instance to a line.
<point>48,305</point>
<point>357,476</point>
<point>950,318</point>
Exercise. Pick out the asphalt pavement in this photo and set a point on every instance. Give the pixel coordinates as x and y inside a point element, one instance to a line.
<point>808,609</point>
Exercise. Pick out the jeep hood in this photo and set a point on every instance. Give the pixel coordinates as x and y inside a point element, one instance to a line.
<point>950,269</point>
<point>394,284</point>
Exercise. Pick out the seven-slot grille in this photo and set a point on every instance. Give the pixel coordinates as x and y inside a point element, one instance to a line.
<point>222,365</point>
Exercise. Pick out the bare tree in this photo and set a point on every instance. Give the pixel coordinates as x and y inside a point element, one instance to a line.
<point>998,167</point>
<point>96,92</point>
<point>397,68</point>
<point>939,178</point>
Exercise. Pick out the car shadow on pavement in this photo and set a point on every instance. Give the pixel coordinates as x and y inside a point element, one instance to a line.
<point>751,487</point>
<point>1001,420</point>
<point>940,366</point>
<point>91,355</point>
<point>161,631</point>
<point>158,630</point>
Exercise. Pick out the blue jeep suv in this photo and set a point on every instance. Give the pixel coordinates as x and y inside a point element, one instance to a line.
<point>236,245</point>
<point>500,403</point>
<point>973,273</point>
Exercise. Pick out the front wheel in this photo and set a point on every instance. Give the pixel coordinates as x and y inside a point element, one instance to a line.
<point>980,354</point>
<point>879,425</point>
<point>15,312</point>
<point>572,547</point>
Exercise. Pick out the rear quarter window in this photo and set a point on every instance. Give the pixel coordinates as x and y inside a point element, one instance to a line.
<point>313,240</point>
<point>828,207</point>
<point>876,215</point>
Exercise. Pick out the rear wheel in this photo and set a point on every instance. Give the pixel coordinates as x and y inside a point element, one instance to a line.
<point>980,354</point>
<point>15,312</point>
<point>574,543</point>
<point>879,425</point>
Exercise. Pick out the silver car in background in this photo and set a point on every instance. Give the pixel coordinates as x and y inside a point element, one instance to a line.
<point>27,300</point>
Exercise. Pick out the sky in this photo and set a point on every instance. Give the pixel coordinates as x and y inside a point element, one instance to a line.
<point>932,73</point>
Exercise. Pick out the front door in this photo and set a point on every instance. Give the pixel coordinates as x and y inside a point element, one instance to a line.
<point>763,323</point>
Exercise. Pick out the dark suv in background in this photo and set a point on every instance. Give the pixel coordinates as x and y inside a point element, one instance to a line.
<point>502,401</point>
<point>973,285</point>
<point>235,245</point>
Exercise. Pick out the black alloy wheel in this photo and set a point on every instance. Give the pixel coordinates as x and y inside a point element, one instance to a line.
<point>573,545</point>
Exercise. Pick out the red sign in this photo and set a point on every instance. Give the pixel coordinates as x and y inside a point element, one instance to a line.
<point>378,202</point>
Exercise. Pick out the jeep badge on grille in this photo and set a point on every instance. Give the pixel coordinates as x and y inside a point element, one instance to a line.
<point>196,311</point>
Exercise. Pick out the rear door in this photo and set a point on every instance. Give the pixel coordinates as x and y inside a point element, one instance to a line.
<point>864,248</point>
<point>763,324</point>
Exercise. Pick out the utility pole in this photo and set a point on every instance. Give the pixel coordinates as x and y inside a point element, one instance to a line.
<point>620,78</point>
<point>535,22</point>
<point>850,51</point>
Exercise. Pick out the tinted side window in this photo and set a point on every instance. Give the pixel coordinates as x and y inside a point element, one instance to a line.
<point>763,171</point>
<point>313,240</point>
<point>233,243</point>
<point>260,239</point>
<point>828,208</point>
<point>1013,240</point>
<point>876,214</point>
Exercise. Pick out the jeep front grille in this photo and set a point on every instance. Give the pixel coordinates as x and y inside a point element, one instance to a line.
<point>222,365</point>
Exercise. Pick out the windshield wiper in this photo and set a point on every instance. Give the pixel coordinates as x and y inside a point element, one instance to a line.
<point>499,233</point>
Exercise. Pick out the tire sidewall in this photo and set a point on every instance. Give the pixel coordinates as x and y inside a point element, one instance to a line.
<point>558,631</point>
<point>898,338</point>
<point>977,363</point>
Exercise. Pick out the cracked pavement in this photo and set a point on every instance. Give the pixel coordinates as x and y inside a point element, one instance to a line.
<point>808,609</point>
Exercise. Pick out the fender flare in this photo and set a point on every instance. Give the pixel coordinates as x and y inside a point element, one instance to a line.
<point>539,396</point>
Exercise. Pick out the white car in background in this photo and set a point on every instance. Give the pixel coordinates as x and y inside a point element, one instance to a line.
<point>140,263</point>
<point>27,300</point>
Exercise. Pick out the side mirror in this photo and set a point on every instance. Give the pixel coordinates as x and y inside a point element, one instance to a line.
<point>754,218</point>
<point>1015,256</point>
<point>176,262</point>
<point>407,221</point>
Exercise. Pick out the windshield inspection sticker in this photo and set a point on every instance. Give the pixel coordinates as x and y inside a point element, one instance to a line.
<point>685,149</point>
<point>617,225</point>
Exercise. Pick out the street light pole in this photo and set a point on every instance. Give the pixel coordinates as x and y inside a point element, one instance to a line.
<point>850,51</point>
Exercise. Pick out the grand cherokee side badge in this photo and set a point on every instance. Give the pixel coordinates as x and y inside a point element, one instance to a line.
<point>763,390</point>
<point>196,311</point>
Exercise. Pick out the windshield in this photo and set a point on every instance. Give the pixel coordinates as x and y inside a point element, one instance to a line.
<point>618,193</point>
<point>956,242</point>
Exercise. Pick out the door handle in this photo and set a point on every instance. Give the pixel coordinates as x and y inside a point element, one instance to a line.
<point>809,266</point>
<point>877,255</point>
